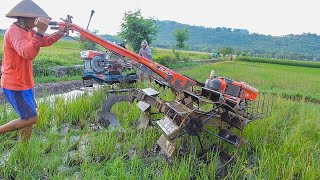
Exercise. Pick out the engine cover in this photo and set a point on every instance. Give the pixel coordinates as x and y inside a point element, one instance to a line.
<point>97,64</point>
<point>90,54</point>
<point>94,61</point>
<point>232,89</point>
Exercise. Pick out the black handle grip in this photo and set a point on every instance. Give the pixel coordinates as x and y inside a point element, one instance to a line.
<point>54,27</point>
<point>53,23</point>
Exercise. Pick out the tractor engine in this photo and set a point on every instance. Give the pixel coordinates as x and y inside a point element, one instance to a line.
<point>94,61</point>
<point>106,68</point>
<point>232,90</point>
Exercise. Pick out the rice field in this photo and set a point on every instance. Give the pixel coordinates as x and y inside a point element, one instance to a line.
<point>289,81</point>
<point>69,144</point>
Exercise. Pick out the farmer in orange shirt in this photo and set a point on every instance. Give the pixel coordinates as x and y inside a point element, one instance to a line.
<point>21,45</point>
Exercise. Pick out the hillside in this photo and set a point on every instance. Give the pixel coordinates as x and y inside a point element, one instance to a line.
<point>303,46</point>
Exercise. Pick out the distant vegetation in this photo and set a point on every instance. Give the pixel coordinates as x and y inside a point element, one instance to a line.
<point>279,61</point>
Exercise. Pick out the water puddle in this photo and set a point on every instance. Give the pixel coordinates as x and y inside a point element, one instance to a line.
<point>71,95</point>
<point>4,159</point>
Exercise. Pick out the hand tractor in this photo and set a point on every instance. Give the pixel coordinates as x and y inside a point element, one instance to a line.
<point>203,117</point>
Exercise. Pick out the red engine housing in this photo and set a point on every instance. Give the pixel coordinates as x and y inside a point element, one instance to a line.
<point>232,89</point>
<point>90,54</point>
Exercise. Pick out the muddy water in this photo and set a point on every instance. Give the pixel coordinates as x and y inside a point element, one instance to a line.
<point>43,89</point>
<point>73,94</point>
<point>68,96</point>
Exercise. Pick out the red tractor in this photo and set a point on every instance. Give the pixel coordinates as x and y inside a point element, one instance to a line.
<point>200,119</point>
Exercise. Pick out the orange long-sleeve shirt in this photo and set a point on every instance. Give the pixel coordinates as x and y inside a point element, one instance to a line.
<point>20,49</point>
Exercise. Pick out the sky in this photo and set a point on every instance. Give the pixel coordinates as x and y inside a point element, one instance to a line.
<point>270,17</point>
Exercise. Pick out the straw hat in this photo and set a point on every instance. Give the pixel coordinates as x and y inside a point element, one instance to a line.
<point>27,8</point>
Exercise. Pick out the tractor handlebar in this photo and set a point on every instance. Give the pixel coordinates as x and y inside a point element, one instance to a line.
<point>53,23</point>
<point>54,28</point>
<point>177,81</point>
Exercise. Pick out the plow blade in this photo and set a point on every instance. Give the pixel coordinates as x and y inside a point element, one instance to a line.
<point>107,118</point>
<point>145,116</point>
<point>144,120</point>
<point>169,128</point>
<point>223,155</point>
<point>234,120</point>
<point>145,107</point>
<point>167,146</point>
<point>229,137</point>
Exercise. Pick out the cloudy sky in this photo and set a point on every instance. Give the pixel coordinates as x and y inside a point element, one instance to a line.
<point>274,17</point>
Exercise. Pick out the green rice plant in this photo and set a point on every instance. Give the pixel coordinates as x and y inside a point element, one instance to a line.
<point>181,169</point>
<point>94,169</point>
<point>288,144</point>
<point>102,146</point>
<point>52,79</point>
<point>279,61</point>
<point>192,55</point>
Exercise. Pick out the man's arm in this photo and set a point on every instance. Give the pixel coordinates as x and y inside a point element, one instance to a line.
<point>48,40</point>
<point>25,48</point>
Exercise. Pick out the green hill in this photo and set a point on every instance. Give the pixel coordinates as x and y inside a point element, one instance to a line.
<point>304,46</point>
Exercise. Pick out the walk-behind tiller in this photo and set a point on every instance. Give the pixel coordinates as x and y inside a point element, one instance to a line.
<point>204,117</point>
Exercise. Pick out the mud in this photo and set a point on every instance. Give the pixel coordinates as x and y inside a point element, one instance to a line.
<point>45,89</point>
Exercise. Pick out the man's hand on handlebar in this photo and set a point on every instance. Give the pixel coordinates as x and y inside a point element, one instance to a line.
<point>41,24</point>
<point>64,29</point>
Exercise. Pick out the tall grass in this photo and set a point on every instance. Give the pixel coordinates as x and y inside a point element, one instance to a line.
<point>51,79</point>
